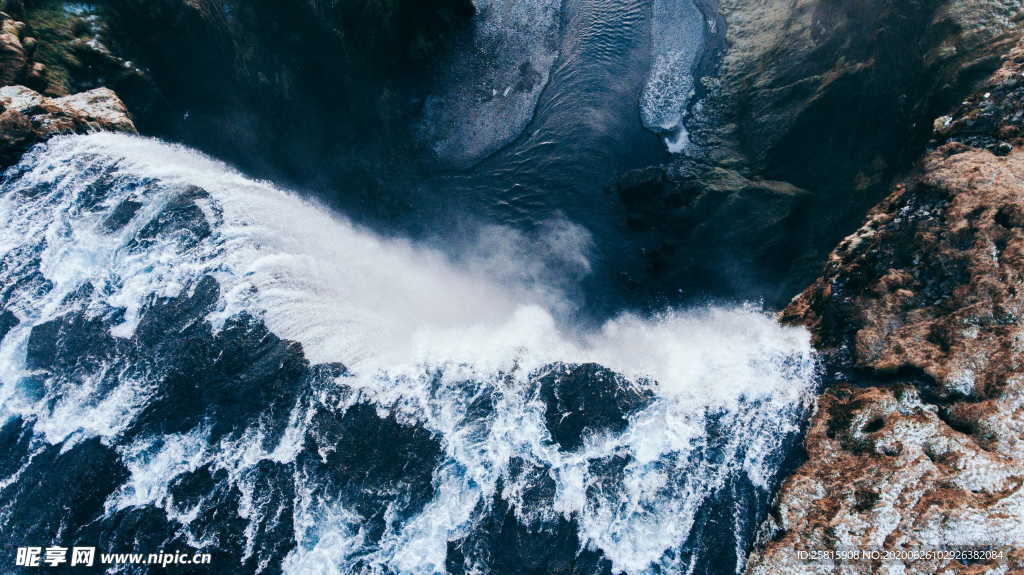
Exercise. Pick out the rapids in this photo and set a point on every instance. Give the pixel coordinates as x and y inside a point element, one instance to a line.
<point>245,372</point>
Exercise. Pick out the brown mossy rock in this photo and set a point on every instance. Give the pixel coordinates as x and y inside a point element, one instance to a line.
<point>885,471</point>
<point>932,283</point>
<point>12,51</point>
<point>921,313</point>
<point>28,117</point>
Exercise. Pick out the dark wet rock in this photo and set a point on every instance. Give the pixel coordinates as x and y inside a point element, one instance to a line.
<point>725,523</point>
<point>376,465</point>
<point>240,376</point>
<point>176,315</point>
<point>581,400</point>
<point>135,528</point>
<point>22,264</point>
<point>500,543</point>
<point>8,321</point>
<point>69,486</point>
<point>16,439</point>
<point>813,91</point>
<point>608,473</point>
<point>181,220</point>
<point>701,229</point>
<point>836,99</point>
<point>531,487</point>
<point>72,343</point>
<point>219,520</point>
<point>122,214</point>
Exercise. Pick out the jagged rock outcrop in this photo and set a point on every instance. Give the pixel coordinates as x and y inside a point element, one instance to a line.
<point>919,442</point>
<point>58,50</point>
<point>27,117</point>
<point>47,53</point>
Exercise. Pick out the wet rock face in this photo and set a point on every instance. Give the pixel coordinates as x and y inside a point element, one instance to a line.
<point>919,315</point>
<point>364,460</point>
<point>704,229</point>
<point>811,88</point>
<point>29,117</point>
<point>585,399</point>
<point>501,543</point>
<point>835,98</point>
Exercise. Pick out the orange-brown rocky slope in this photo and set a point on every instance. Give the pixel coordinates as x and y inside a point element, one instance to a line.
<point>918,442</point>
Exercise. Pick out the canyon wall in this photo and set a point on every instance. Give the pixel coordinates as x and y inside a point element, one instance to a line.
<point>916,444</point>
<point>811,111</point>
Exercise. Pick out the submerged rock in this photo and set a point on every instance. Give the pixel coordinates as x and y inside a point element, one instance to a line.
<point>919,314</point>
<point>502,543</point>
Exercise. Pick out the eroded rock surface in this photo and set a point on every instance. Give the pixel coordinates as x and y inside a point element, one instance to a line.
<point>28,117</point>
<point>919,445</point>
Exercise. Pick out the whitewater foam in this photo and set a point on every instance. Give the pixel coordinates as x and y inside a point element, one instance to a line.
<point>414,325</point>
<point>677,33</point>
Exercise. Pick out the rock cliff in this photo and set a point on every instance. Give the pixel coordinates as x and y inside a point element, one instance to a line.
<point>28,116</point>
<point>835,99</point>
<point>917,444</point>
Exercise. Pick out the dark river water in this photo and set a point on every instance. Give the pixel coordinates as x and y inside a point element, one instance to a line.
<point>611,66</point>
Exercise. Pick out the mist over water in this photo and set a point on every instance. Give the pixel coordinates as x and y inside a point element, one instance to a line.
<point>433,401</point>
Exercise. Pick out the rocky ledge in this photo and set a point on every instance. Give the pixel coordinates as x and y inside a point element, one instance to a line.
<point>918,442</point>
<point>34,100</point>
<point>27,117</point>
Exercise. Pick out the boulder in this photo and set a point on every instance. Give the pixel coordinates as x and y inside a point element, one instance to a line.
<point>28,117</point>
<point>582,400</point>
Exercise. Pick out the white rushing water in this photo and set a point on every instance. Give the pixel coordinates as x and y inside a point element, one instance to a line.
<point>677,34</point>
<point>413,324</point>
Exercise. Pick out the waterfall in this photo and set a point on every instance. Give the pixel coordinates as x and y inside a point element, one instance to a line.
<point>247,373</point>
